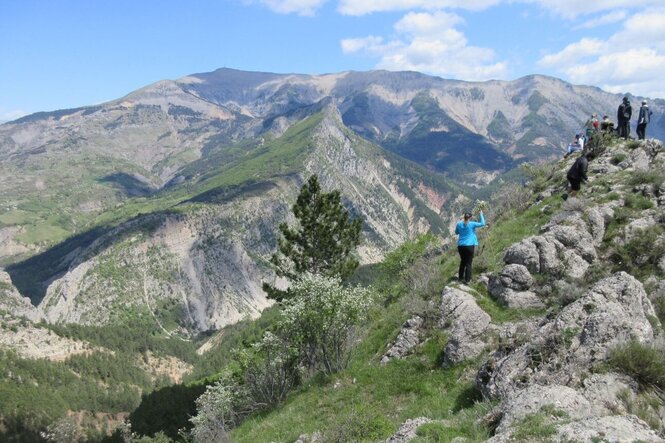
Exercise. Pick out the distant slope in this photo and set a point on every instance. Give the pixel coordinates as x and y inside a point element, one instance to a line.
<point>197,256</point>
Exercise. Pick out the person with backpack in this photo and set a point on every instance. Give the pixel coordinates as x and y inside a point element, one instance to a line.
<point>466,243</point>
<point>643,119</point>
<point>624,113</point>
<point>578,173</point>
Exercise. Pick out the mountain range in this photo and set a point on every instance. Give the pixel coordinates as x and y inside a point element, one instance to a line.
<point>164,203</point>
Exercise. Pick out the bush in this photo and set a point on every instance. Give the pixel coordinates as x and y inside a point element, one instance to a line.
<point>64,430</point>
<point>358,426</point>
<point>655,178</point>
<point>618,158</point>
<point>319,317</point>
<point>635,201</point>
<point>645,363</point>
<point>221,407</point>
<point>641,255</point>
<point>509,198</point>
<point>270,370</point>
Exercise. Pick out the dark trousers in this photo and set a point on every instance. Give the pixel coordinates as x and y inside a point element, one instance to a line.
<point>624,129</point>
<point>466,259</point>
<point>641,131</point>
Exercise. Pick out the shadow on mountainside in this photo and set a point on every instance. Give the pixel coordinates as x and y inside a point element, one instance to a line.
<point>33,275</point>
<point>129,184</point>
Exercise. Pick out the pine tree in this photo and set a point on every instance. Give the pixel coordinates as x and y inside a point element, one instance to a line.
<point>323,242</point>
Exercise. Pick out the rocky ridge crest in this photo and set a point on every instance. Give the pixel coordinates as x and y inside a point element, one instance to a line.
<point>552,365</point>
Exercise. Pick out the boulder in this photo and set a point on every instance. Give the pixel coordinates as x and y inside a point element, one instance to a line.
<point>466,321</point>
<point>614,311</point>
<point>407,431</point>
<point>524,253</point>
<point>530,401</point>
<point>516,277</point>
<point>618,428</point>
<point>603,392</point>
<point>640,160</point>
<point>511,286</point>
<point>408,338</point>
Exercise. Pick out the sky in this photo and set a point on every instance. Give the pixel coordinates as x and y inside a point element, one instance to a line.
<point>57,54</point>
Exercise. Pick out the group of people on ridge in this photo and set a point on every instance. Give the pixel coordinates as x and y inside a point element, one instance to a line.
<point>466,228</point>
<point>625,112</point>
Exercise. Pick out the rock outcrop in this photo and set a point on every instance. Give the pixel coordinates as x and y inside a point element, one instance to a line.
<point>466,323</point>
<point>406,341</point>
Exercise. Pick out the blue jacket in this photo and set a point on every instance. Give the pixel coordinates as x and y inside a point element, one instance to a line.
<point>467,233</point>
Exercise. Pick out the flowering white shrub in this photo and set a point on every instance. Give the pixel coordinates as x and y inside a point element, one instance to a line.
<point>271,369</point>
<point>217,411</point>
<point>63,430</point>
<point>320,317</point>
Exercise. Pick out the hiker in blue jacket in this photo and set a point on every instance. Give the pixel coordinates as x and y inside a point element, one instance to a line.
<point>466,244</point>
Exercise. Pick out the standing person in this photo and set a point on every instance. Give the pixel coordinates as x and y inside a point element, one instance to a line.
<point>591,126</point>
<point>624,113</point>
<point>466,244</point>
<point>643,119</point>
<point>578,173</point>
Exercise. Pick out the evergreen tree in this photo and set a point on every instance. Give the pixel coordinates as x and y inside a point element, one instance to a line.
<point>323,242</point>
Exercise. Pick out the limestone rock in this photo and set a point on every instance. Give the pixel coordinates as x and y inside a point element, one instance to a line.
<point>524,253</point>
<point>640,160</point>
<point>621,428</point>
<point>407,431</point>
<point>466,321</point>
<point>603,391</point>
<point>530,401</point>
<point>407,339</point>
<point>614,311</point>
<point>636,227</point>
<point>511,286</point>
<point>516,277</point>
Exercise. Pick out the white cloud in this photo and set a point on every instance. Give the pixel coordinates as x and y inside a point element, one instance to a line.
<point>631,60</point>
<point>607,19</point>
<point>574,8</point>
<point>429,42</point>
<point>6,115</point>
<point>371,44</point>
<point>300,7</point>
<point>362,7</point>
<point>426,24</point>
<point>574,53</point>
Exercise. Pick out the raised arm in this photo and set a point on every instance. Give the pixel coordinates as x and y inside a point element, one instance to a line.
<point>481,222</point>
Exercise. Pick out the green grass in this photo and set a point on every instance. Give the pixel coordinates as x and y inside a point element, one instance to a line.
<point>381,396</point>
<point>644,363</point>
<point>43,233</point>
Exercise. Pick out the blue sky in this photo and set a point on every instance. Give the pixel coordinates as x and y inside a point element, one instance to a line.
<point>69,53</point>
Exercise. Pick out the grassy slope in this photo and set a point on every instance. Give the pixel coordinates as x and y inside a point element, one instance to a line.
<point>369,401</point>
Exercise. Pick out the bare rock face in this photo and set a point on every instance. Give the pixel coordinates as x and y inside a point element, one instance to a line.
<point>12,301</point>
<point>621,428</point>
<point>530,401</point>
<point>511,288</point>
<point>466,321</point>
<point>407,431</point>
<point>613,312</point>
<point>604,390</point>
<point>408,338</point>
